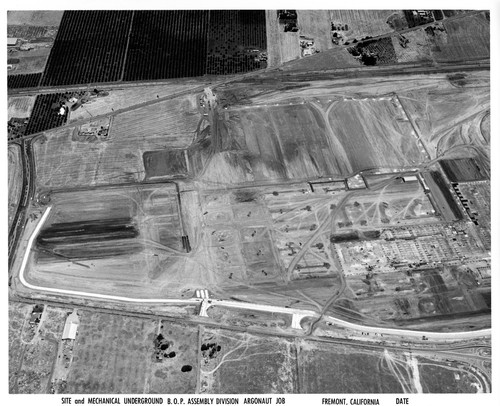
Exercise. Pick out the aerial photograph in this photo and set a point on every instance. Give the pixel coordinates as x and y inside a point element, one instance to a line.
<point>216,202</point>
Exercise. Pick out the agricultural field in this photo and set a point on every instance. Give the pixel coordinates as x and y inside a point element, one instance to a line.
<point>20,106</point>
<point>15,172</point>
<point>81,51</point>
<point>244,363</point>
<point>281,46</point>
<point>32,32</point>
<point>235,38</point>
<point>64,158</point>
<point>466,38</point>
<point>123,241</point>
<point>316,24</point>
<point>45,113</point>
<point>161,47</point>
<point>151,45</point>
<point>29,62</point>
<point>112,354</point>
<point>22,81</point>
<point>362,23</point>
<point>35,18</point>
<point>99,364</point>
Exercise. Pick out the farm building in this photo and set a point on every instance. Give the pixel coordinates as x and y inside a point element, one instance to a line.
<point>410,178</point>
<point>71,326</point>
<point>11,42</point>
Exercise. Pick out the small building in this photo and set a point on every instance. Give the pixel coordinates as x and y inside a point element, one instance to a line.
<point>12,42</point>
<point>71,326</point>
<point>410,178</point>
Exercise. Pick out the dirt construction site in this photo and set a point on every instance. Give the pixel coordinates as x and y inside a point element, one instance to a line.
<point>256,196</point>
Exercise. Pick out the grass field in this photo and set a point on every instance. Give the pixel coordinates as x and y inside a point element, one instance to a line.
<point>38,359</point>
<point>18,318</point>
<point>15,179</point>
<point>33,349</point>
<point>168,376</point>
<point>448,377</point>
<point>325,368</point>
<point>248,364</point>
<point>63,160</point>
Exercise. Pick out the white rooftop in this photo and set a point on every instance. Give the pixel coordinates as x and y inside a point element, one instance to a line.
<point>71,326</point>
